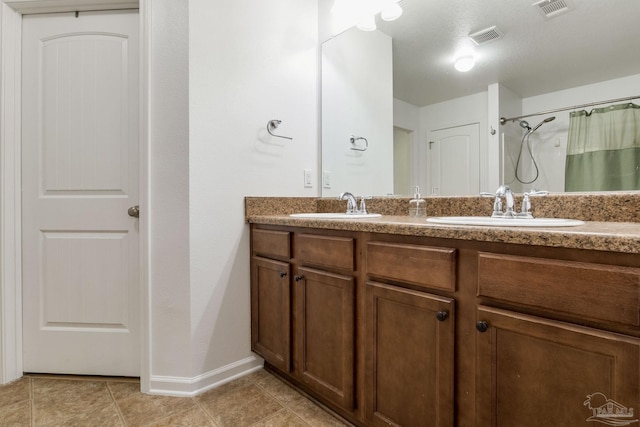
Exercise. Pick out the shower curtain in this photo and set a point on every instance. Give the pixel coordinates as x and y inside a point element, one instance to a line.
<point>603,149</point>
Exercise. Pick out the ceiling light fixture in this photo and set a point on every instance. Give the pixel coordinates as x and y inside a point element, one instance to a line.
<point>391,12</point>
<point>368,23</point>
<point>362,13</point>
<point>465,63</point>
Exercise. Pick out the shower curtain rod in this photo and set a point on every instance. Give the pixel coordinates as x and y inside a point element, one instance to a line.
<point>628,98</point>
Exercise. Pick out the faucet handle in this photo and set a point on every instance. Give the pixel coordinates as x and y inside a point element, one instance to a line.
<point>497,203</point>
<point>525,211</point>
<point>363,206</point>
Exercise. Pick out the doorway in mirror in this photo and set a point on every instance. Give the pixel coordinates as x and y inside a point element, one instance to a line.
<point>402,164</point>
<point>453,159</point>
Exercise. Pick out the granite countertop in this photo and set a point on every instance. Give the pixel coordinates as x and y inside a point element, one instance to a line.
<point>605,229</point>
<point>594,235</point>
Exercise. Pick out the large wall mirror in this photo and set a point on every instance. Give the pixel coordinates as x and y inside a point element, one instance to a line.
<point>396,113</point>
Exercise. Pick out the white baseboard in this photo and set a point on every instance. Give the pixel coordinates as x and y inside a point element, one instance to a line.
<point>189,387</point>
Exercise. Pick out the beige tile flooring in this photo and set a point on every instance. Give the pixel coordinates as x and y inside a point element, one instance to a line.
<point>257,400</point>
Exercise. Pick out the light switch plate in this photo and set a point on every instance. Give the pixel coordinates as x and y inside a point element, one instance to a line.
<point>326,179</point>
<point>308,183</point>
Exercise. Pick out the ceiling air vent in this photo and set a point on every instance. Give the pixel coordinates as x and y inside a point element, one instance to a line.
<point>552,8</point>
<point>487,35</point>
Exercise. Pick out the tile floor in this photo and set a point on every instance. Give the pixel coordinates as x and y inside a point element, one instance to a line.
<point>257,400</point>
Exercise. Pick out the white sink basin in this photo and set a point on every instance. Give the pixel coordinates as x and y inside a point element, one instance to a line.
<point>334,215</point>
<point>505,222</point>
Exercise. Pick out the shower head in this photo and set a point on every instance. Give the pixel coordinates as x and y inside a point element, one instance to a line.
<point>547,120</point>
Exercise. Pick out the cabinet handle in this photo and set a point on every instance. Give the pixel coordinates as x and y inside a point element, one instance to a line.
<point>482,326</point>
<point>299,278</point>
<point>283,274</point>
<point>442,316</point>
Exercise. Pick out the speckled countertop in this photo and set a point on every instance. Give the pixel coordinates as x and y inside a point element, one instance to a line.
<point>611,219</point>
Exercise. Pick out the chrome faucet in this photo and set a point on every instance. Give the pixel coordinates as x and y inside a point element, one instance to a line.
<point>502,191</point>
<point>505,192</point>
<point>352,203</point>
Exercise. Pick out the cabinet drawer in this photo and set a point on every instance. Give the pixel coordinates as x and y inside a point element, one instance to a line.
<point>425,266</point>
<point>325,251</point>
<point>595,291</point>
<point>271,243</point>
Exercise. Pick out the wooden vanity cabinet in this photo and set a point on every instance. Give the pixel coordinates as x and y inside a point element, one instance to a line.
<point>325,334</point>
<point>303,294</point>
<point>271,297</point>
<point>409,341</point>
<point>270,312</point>
<point>324,317</point>
<point>412,331</point>
<point>409,357</point>
<point>534,370</point>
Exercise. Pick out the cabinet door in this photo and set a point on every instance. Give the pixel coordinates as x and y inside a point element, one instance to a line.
<point>538,372</point>
<point>409,357</point>
<point>324,325</point>
<point>271,312</point>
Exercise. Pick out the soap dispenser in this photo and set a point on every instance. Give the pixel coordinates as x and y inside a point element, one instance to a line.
<point>417,205</point>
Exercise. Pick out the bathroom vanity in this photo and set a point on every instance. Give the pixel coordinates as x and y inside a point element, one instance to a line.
<point>394,321</point>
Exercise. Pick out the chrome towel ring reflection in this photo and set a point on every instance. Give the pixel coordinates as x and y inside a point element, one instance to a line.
<point>353,139</point>
<point>273,125</point>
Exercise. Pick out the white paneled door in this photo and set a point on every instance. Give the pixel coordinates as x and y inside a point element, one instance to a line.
<point>79,177</point>
<point>455,161</point>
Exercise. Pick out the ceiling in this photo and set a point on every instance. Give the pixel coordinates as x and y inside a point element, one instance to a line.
<point>598,40</point>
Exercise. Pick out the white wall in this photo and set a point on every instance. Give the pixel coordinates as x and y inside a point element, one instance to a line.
<point>357,99</point>
<point>407,117</point>
<point>169,277</point>
<point>219,72</point>
<point>249,62</point>
<point>509,136</point>
<point>503,102</point>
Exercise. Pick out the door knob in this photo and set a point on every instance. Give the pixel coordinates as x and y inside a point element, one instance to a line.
<point>134,211</point>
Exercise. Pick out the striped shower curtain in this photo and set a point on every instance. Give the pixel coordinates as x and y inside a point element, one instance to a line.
<point>603,149</point>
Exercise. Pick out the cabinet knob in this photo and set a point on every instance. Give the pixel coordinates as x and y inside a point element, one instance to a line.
<point>482,326</point>
<point>442,316</point>
<point>299,278</point>
<point>283,274</point>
